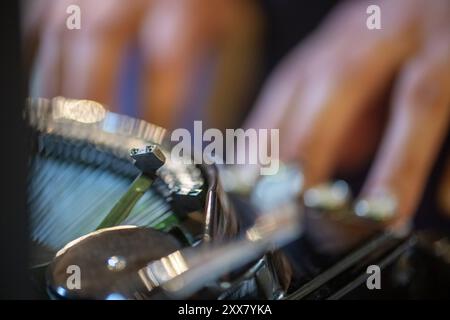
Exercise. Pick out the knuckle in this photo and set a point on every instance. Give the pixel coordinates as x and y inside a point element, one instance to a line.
<point>425,88</point>
<point>100,25</point>
<point>54,27</point>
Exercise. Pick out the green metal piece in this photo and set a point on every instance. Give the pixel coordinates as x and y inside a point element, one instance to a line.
<point>123,207</point>
<point>167,223</point>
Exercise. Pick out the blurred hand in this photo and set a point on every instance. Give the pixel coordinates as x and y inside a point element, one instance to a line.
<point>326,98</point>
<point>174,38</point>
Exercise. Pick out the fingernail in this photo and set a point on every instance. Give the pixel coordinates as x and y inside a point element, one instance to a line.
<point>328,196</point>
<point>276,190</point>
<point>380,207</point>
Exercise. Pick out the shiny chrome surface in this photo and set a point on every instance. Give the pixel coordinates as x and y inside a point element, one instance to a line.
<point>184,272</point>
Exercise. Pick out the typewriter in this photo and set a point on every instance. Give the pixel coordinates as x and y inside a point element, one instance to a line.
<point>113,216</point>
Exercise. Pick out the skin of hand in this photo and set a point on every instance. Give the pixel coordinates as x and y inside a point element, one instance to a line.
<point>325,99</point>
<point>173,36</point>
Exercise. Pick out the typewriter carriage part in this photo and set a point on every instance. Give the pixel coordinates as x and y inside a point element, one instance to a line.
<point>83,151</point>
<point>79,139</point>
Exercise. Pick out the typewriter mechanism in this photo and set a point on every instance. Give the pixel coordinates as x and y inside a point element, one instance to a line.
<point>113,216</point>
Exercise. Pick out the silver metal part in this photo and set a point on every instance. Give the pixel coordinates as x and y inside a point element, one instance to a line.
<point>116,263</point>
<point>378,207</point>
<point>184,272</point>
<point>328,196</point>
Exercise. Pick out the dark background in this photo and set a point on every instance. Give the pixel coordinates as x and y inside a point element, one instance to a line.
<point>14,154</point>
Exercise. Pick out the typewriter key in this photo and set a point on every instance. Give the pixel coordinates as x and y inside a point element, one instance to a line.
<point>147,160</point>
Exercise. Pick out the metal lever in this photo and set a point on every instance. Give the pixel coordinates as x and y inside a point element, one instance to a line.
<point>185,271</point>
<point>148,160</point>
